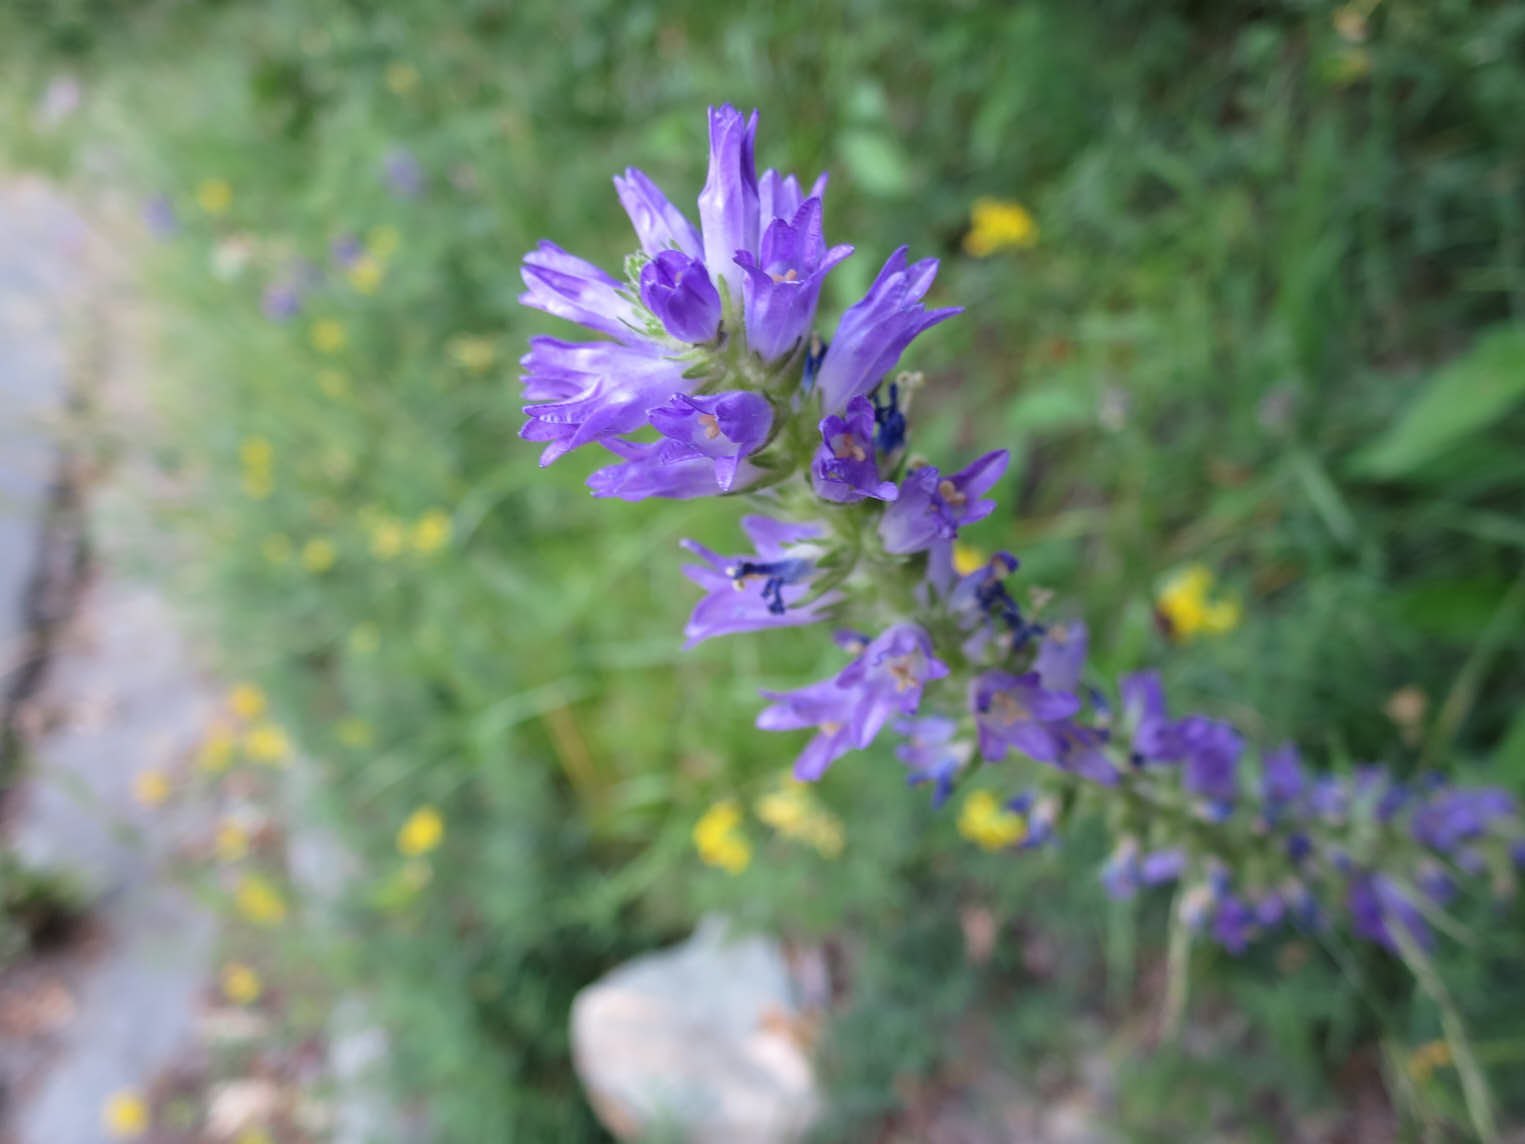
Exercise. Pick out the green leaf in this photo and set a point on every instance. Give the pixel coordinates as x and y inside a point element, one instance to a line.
<point>1466,396</point>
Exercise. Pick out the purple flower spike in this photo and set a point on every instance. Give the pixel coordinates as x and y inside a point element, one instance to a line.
<point>1162,866</point>
<point>678,290</point>
<point>845,468</point>
<point>1082,751</point>
<point>1061,656</point>
<point>931,754</point>
<point>159,216</point>
<point>874,332</point>
<point>592,391</point>
<point>783,280</point>
<point>1452,817</point>
<point>751,593</point>
<point>724,427</point>
<point>932,507</point>
<point>728,206</point>
<point>779,196</point>
<point>850,710</point>
<point>1234,924</point>
<point>658,224</point>
<point>1014,711</point>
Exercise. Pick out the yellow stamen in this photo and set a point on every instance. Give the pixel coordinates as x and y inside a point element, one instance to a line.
<point>847,448</point>
<point>711,425</point>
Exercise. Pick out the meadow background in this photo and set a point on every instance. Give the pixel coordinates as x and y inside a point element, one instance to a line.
<point>1269,321</point>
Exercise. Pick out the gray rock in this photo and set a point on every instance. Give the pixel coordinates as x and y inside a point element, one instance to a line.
<point>697,1043</point>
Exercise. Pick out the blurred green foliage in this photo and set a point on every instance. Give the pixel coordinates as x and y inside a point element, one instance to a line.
<point>1270,324</point>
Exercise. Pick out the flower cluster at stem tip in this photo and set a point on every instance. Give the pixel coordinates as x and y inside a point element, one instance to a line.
<point>708,377</point>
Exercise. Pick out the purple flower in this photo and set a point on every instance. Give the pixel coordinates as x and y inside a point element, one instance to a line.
<point>402,172</point>
<point>931,754</point>
<point>783,280</point>
<point>932,507</point>
<point>658,224</point>
<point>159,217</point>
<point>723,427</point>
<point>1449,818</point>
<point>1061,655</point>
<point>849,711</point>
<point>875,331</point>
<point>1212,752</point>
<point>1120,875</point>
<point>1281,780</point>
<point>1234,924</point>
<point>573,288</point>
<point>679,292</point>
<point>1082,752</point>
<point>728,206</point>
<point>1162,866</point>
<point>345,251</point>
<point>664,469</point>
<point>1376,904</point>
<point>592,391</point>
<point>1154,735</point>
<point>1016,711</point>
<point>281,301</point>
<point>750,593</point>
<point>845,469</point>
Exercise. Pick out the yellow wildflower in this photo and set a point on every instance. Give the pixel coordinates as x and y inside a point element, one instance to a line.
<point>387,538</point>
<point>318,555</point>
<point>383,241</point>
<point>259,901</point>
<point>967,559</point>
<point>276,548</point>
<point>254,1136</point>
<point>365,639</point>
<point>125,1116</point>
<point>1427,1058</point>
<point>267,743</point>
<point>365,274</point>
<point>473,352</point>
<point>999,224</point>
<point>402,78</point>
<point>150,787</point>
<point>717,840</point>
<point>247,701</point>
<point>431,532</point>
<point>256,453</point>
<point>240,984</point>
<point>792,811</point>
<point>421,833</point>
<point>354,732</point>
<point>333,383</point>
<point>232,842</point>
<point>328,335</point>
<point>216,749</point>
<point>985,822</point>
<point>1184,603</point>
<point>214,196</point>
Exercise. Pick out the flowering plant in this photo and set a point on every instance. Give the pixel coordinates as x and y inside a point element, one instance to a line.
<point>709,379</point>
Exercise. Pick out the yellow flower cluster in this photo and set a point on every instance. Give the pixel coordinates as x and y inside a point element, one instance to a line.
<point>125,1116</point>
<point>151,787</point>
<point>328,335</point>
<point>240,984</point>
<point>999,224</point>
<point>1427,1058</point>
<point>257,457</point>
<point>473,353</point>
<point>1184,601</point>
<point>401,78</point>
<point>427,535</point>
<point>794,812</point>
<point>259,901</point>
<point>214,196</point>
<point>719,840</point>
<point>989,825</point>
<point>421,833</point>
